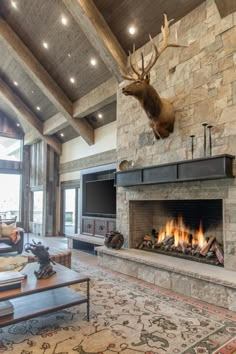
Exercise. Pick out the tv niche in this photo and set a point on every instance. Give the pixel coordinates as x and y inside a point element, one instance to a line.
<point>99,195</point>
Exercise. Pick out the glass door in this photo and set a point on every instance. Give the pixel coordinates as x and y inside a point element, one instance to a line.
<point>69,216</point>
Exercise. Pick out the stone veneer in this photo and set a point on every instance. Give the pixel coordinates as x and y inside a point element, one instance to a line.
<point>201,82</point>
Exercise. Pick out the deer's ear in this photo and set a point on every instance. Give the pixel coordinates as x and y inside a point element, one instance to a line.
<point>147,78</point>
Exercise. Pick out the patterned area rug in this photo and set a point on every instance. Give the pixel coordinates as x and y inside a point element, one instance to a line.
<point>127,317</point>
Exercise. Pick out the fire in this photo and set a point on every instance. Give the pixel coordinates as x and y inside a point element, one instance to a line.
<point>181,233</point>
<point>200,240</point>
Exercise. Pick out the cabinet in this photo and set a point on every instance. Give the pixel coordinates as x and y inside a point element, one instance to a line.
<point>111,226</point>
<point>88,226</point>
<point>97,226</point>
<point>100,227</point>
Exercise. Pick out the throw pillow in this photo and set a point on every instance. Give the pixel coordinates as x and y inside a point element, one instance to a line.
<point>7,229</point>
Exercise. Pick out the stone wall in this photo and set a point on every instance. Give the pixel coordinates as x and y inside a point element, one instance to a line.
<point>200,80</point>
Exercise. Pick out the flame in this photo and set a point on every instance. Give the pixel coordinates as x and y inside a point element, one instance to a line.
<point>200,240</point>
<point>181,233</point>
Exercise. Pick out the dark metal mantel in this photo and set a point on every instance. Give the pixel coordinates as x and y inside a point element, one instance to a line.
<point>207,168</point>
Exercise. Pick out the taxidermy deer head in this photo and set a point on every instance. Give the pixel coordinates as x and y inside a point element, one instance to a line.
<point>159,110</point>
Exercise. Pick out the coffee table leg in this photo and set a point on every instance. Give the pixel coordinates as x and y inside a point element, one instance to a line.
<point>88,299</point>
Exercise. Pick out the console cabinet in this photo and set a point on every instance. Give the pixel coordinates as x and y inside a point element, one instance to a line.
<point>88,226</point>
<point>97,226</point>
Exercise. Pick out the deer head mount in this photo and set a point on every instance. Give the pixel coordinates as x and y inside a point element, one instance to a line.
<point>159,110</point>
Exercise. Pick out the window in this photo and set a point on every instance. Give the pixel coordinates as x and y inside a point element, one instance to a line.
<point>38,207</point>
<point>10,196</point>
<point>10,149</point>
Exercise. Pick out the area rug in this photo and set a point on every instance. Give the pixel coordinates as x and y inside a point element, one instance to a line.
<point>127,317</point>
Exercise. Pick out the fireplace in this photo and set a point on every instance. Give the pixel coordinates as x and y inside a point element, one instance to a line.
<point>190,229</point>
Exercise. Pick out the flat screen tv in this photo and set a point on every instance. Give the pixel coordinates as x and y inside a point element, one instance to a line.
<point>100,197</point>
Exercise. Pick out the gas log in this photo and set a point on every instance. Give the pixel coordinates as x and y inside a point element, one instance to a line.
<point>210,252</point>
<point>206,248</point>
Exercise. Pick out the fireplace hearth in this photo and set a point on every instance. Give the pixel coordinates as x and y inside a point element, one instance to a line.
<point>190,229</point>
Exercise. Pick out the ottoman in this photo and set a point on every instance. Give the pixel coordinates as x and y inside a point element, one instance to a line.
<point>58,255</point>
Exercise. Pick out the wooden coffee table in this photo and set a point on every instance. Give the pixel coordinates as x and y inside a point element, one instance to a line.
<point>39,297</point>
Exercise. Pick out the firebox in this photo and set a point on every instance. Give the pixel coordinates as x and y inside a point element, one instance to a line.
<point>191,229</point>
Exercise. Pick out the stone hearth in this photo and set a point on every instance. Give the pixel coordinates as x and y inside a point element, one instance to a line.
<point>201,281</point>
<point>205,283</point>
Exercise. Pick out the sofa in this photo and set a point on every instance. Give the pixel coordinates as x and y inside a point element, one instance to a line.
<point>11,236</point>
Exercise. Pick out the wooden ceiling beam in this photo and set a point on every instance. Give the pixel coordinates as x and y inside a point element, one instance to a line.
<point>93,101</point>
<point>24,112</point>
<point>96,99</point>
<point>54,124</point>
<point>43,80</point>
<point>31,137</point>
<point>99,34</point>
<point>225,7</point>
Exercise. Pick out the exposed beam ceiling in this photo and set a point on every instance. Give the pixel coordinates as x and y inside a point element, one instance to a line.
<point>93,101</point>
<point>31,137</point>
<point>24,113</point>
<point>54,124</point>
<point>226,7</point>
<point>99,34</point>
<point>96,99</point>
<point>43,80</point>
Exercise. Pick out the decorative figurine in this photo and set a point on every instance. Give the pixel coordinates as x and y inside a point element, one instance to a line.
<point>114,239</point>
<point>41,252</point>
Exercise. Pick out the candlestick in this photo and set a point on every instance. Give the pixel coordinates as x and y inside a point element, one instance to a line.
<point>192,145</point>
<point>210,140</point>
<point>204,125</point>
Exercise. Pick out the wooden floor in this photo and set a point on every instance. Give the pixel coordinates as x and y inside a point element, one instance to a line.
<point>61,242</point>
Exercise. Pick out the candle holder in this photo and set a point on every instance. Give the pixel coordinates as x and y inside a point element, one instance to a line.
<point>209,127</point>
<point>192,144</point>
<point>205,134</point>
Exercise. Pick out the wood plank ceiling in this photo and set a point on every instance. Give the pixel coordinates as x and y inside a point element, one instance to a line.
<point>55,79</point>
<point>145,15</point>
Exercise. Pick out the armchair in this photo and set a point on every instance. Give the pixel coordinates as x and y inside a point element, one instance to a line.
<point>15,238</point>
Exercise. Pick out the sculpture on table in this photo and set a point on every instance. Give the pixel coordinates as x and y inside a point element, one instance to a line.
<point>45,262</point>
<point>114,239</point>
<point>159,110</point>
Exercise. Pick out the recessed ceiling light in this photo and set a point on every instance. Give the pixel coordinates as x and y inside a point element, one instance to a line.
<point>15,83</point>
<point>45,45</point>
<point>14,4</point>
<point>69,55</point>
<point>32,91</point>
<point>62,134</point>
<point>93,62</point>
<point>100,115</point>
<point>18,124</point>
<point>38,108</point>
<point>132,30</point>
<point>72,80</point>
<point>64,20</point>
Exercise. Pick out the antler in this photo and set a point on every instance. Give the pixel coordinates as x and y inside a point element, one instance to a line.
<point>140,73</point>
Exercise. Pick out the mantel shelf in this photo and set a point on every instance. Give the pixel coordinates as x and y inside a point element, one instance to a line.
<point>207,168</point>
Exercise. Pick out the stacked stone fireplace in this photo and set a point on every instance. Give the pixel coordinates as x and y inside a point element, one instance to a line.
<point>189,229</point>
<point>142,208</point>
<point>200,81</point>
